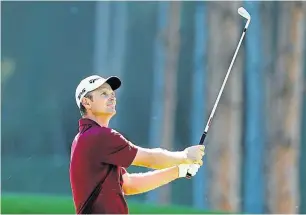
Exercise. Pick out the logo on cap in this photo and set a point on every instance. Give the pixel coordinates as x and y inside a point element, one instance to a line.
<point>93,80</point>
<point>81,93</point>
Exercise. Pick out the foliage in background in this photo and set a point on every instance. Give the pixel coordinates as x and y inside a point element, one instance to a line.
<point>42,204</point>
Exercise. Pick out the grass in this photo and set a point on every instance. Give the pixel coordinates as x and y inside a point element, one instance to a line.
<point>42,204</point>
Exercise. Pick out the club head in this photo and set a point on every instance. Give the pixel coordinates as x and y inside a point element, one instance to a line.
<point>242,12</point>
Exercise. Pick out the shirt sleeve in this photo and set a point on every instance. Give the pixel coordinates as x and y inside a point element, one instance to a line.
<point>112,148</point>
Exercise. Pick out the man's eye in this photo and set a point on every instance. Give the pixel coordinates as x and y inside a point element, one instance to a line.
<point>104,93</point>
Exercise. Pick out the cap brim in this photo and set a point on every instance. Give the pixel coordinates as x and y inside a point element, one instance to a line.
<point>114,82</point>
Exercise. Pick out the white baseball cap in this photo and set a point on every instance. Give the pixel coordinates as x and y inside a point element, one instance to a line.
<point>93,82</point>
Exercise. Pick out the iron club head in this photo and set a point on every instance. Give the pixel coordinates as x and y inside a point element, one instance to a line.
<point>242,12</point>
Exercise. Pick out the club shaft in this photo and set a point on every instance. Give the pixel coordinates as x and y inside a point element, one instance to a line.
<point>223,85</point>
<point>219,95</point>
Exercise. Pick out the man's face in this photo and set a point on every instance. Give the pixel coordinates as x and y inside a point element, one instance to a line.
<point>103,101</point>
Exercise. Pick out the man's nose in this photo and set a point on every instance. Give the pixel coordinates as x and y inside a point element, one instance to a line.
<point>113,98</point>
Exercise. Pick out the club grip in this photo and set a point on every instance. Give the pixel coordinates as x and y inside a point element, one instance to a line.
<point>188,175</point>
<point>203,138</point>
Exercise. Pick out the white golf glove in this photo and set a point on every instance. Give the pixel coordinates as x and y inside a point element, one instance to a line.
<point>191,168</point>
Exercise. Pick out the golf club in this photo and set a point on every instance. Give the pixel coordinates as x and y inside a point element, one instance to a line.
<point>242,12</point>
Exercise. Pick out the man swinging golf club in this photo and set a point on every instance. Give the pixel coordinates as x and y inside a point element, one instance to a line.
<point>100,155</point>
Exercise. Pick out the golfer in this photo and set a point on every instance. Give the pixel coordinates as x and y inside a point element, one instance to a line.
<point>100,155</point>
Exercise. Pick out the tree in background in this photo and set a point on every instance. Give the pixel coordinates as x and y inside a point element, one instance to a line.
<point>225,133</point>
<point>172,44</point>
<point>284,111</point>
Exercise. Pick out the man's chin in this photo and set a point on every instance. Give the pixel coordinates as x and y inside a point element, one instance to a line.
<point>112,112</point>
<point>106,113</point>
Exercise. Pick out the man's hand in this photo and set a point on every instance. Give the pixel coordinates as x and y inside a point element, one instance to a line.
<point>194,154</point>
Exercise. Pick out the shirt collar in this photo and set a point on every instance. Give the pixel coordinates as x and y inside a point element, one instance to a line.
<point>85,122</point>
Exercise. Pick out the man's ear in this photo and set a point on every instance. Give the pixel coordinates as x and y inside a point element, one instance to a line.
<point>85,102</point>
